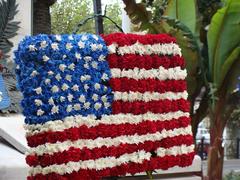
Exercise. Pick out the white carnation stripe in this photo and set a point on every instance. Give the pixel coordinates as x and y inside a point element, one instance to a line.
<point>149,96</point>
<point>110,162</point>
<point>50,148</point>
<point>141,49</point>
<point>90,121</point>
<point>161,73</point>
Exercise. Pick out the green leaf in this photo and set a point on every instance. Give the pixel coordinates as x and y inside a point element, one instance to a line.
<point>184,11</point>
<point>223,37</point>
<point>8,27</point>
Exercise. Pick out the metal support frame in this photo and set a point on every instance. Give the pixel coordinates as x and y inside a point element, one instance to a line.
<point>98,19</point>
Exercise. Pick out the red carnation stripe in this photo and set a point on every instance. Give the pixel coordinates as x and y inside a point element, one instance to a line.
<point>128,39</point>
<point>130,61</point>
<point>143,85</point>
<point>141,107</point>
<point>76,154</point>
<point>132,168</point>
<point>104,130</point>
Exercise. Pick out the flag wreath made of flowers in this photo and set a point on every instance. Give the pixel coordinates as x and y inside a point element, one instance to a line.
<point>100,106</point>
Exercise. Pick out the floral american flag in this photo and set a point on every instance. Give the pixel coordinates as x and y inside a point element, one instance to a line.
<point>104,106</point>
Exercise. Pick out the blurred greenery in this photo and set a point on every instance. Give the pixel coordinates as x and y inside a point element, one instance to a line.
<point>66,14</point>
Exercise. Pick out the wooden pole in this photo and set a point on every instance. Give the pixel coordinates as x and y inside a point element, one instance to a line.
<point>98,20</point>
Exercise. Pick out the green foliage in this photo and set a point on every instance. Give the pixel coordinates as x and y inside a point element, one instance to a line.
<point>66,14</point>
<point>184,11</point>
<point>232,176</point>
<point>224,42</point>
<point>8,27</point>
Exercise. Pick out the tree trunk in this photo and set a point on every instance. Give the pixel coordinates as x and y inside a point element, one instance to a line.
<point>216,151</point>
<point>215,155</point>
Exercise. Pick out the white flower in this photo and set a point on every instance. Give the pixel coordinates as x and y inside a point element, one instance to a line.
<point>81,44</point>
<point>32,48</point>
<point>75,87</point>
<point>69,46</point>
<point>104,98</point>
<point>1,98</point>
<point>84,38</point>
<point>100,46</point>
<point>94,64</point>
<point>70,37</point>
<point>64,56</point>
<point>101,58</point>
<point>65,87</point>
<point>95,37</point>
<point>55,109</point>
<point>97,86</point>
<point>51,101</point>
<point>54,46</point>
<point>82,99</point>
<point>58,77</point>
<point>86,87</point>
<point>104,77</point>
<point>38,102</point>
<point>58,37</point>
<point>86,66</point>
<point>47,81</point>
<point>107,105</point>
<point>78,56</point>
<point>93,47</point>
<point>68,78</point>
<point>71,66</point>
<point>40,112</point>
<point>34,73</point>
<point>62,98</point>
<point>54,89</point>
<point>50,73</point>
<point>45,58</point>
<point>38,90</point>
<point>70,97</point>
<point>86,105</point>
<point>62,67</point>
<point>97,106</point>
<point>95,97</point>
<point>69,108</point>
<point>43,44</point>
<point>87,58</point>
<point>77,106</point>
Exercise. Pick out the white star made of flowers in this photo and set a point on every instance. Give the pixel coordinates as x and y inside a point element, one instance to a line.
<point>55,109</point>
<point>40,112</point>
<point>45,58</point>
<point>65,87</point>
<point>58,37</point>
<point>38,90</point>
<point>81,44</point>
<point>38,102</point>
<point>43,44</point>
<point>68,77</point>
<point>55,89</point>
<point>54,46</point>
<point>75,87</point>
<point>32,48</point>
<point>94,47</point>
<point>70,97</point>
<point>69,46</point>
<point>62,67</point>
<point>82,99</point>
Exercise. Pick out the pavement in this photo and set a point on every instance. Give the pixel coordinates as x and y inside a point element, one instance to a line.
<point>228,166</point>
